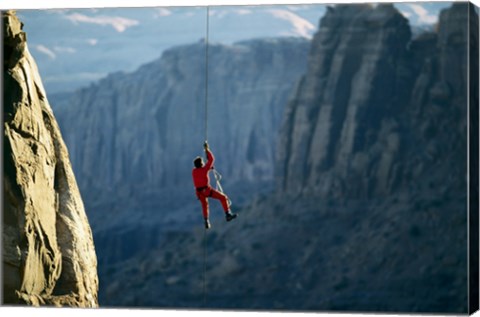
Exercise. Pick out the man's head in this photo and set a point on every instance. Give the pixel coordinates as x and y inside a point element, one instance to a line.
<point>198,162</point>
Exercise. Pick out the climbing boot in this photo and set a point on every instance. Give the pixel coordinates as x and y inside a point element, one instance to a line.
<point>229,216</point>
<point>207,224</point>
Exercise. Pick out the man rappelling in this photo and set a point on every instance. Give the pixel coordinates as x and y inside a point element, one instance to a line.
<point>201,181</point>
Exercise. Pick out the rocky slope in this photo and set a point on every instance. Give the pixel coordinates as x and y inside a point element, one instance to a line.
<point>370,209</point>
<point>48,252</point>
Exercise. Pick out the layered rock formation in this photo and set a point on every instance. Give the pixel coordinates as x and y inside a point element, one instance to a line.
<point>379,126</point>
<point>376,110</point>
<point>346,104</point>
<point>48,252</point>
<point>133,133</point>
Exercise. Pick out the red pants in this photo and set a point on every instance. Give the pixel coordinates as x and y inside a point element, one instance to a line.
<point>203,196</point>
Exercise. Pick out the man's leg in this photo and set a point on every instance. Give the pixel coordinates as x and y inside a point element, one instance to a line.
<point>215,194</point>
<point>204,202</point>
<point>224,200</point>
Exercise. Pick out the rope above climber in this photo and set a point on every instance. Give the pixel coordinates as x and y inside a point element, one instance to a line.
<point>201,181</point>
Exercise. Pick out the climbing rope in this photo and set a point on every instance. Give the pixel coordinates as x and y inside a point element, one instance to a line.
<point>206,138</point>
<point>206,75</point>
<point>217,175</point>
<point>205,268</point>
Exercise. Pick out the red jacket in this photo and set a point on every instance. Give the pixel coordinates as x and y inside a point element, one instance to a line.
<point>200,174</point>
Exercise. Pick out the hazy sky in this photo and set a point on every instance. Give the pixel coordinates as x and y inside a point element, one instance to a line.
<point>73,47</point>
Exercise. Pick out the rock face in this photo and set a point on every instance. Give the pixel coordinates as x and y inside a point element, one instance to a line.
<point>343,116</point>
<point>48,252</point>
<point>379,126</point>
<point>376,110</point>
<point>166,102</point>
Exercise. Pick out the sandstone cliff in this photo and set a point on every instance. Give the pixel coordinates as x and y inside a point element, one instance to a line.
<point>48,252</point>
<point>378,111</point>
<point>343,116</point>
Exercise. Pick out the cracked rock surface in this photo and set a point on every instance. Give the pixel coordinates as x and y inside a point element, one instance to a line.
<point>48,252</point>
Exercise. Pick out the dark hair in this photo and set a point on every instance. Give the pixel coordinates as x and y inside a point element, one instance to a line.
<point>198,162</point>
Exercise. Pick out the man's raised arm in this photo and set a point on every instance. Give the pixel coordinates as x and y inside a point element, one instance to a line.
<point>210,157</point>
